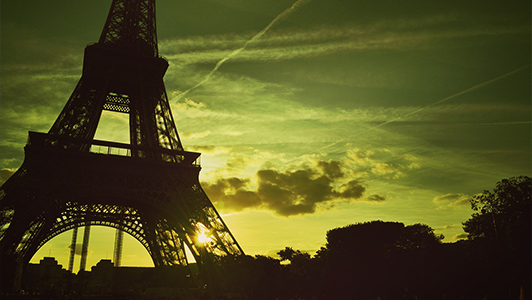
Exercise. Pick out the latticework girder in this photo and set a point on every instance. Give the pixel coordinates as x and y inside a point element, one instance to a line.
<point>73,244</point>
<point>130,27</point>
<point>85,246</point>
<point>120,83</point>
<point>161,204</point>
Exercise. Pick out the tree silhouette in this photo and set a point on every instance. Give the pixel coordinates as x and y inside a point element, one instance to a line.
<point>378,259</point>
<point>256,277</point>
<point>292,255</point>
<point>419,236</point>
<point>503,216</point>
<point>500,231</point>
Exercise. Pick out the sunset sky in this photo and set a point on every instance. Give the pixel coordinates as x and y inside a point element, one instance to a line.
<point>336,112</point>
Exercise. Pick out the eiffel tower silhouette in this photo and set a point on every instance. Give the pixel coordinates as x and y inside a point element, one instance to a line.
<point>148,188</point>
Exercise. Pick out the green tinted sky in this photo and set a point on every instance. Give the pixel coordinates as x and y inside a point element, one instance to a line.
<point>342,112</point>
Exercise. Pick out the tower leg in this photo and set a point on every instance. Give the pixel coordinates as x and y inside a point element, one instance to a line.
<point>119,240</point>
<point>9,266</point>
<point>85,248</point>
<point>17,282</point>
<point>73,249</point>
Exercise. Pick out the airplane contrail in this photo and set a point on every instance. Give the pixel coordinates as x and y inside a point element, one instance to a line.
<point>281,16</point>
<point>473,88</point>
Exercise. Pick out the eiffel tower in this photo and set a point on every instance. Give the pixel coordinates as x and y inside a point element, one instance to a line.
<point>148,188</point>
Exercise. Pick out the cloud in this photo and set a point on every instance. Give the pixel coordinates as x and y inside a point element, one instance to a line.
<point>375,198</point>
<point>352,190</point>
<point>451,201</point>
<point>231,194</point>
<point>322,40</point>
<point>289,193</point>
<point>32,98</point>
<point>331,168</point>
<point>239,161</point>
<point>382,163</point>
<point>194,110</point>
<point>79,248</point>
<point>460,236</point>
<point>383,169</point>
<point>196,135</point>
<point>208,149</point>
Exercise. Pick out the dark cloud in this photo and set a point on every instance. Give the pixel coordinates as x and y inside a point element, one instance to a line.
<point>452,201</point>
<point>293,193</point>
<point>352,190</point>
<point>243,199</point>
<point>376,198</point>
<point>331,168</point>
<point>230,194</point>
<point>288,193</point>
<point>78,249</point>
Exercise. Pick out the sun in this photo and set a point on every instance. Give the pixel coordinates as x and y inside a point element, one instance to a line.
<point>203,235</point>
<point>203,238</point>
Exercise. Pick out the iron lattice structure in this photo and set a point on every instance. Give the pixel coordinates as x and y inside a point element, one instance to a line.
<point>148,188</point>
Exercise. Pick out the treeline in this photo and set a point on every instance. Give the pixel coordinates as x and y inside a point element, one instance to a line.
<point>388,260</point>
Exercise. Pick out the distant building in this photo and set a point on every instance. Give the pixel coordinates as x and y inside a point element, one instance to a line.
<point>104,279</point>
<point>101,277</point>
<point>46,277</point>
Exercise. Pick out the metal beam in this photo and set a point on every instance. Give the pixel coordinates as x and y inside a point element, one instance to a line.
<point>85,248</point>
<point>73,249</point>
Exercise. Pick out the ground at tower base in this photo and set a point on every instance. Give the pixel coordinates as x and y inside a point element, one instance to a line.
<point>365,261</point>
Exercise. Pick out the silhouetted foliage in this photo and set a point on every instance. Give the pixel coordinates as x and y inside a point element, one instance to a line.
<point>504,215</point>
<point>377,258</point>
<point>290,254</point>
<point>500,231</point>
<point>419,236</point>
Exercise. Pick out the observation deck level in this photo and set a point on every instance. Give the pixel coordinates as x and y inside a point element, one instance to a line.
<point>68,145</point>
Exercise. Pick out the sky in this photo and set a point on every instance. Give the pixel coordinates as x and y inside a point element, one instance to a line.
<point>310,115</point>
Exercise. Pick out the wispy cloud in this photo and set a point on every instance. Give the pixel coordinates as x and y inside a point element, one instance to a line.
<point>235,52</point>
<point>451,201</point>
<point>460,236</point>
<point>381,163</point>
<point>307,43</point>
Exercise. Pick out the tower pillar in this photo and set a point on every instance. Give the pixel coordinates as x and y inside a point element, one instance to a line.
<point>85,247</point>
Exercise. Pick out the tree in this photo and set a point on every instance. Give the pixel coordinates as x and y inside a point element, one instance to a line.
<point>299,274</point>
<point>379,259</point>
<point>363,240</point>
<point>419,236</point>
<point>293,255</point>
<point>500,229</point>
<point>504,215</point>
<point>251,277</point>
